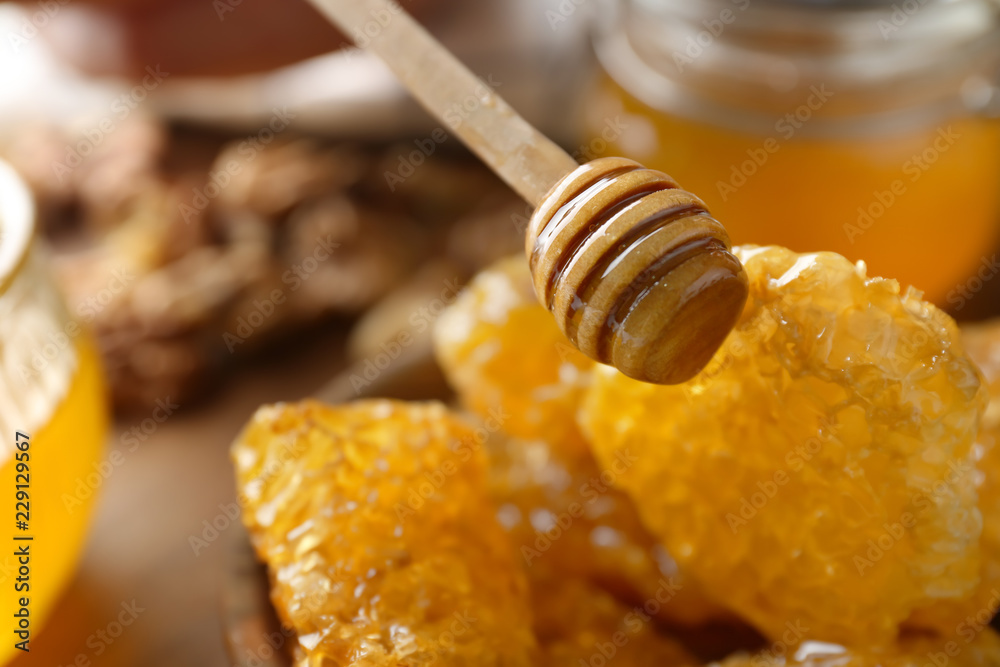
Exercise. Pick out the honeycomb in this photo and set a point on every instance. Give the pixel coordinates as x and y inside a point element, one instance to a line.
<point>982,341</point>
<point>504,354</point>
<point>566,519</point>
<point>381,542</point>
<point>983,344</point>
<point>820,470</point>
<point>578,623</point>
<point>824,478</point>
<point>972,649</point>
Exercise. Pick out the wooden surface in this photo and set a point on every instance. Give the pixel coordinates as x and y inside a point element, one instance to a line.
<point>150,506</point>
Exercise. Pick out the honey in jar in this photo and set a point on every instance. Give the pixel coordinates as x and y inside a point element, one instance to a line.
<point>52,427</point>
<point>867,129</point>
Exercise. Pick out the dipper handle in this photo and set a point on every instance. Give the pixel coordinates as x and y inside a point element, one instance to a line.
<point>635,270</point>
<point>526,159</point>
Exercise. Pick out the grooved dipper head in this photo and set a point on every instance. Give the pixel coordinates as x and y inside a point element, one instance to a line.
<point>635,270</point>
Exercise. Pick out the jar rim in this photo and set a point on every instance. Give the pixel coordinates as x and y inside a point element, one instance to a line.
<point>752,74</point>
<point>17,223</point>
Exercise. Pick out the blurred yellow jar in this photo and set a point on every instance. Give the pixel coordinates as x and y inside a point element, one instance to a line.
<point>867,128</point>
<point>53,422</point>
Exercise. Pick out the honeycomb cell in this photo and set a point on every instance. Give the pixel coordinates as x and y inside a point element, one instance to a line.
<point>976,648</point>
<point>820,469</point>
<point>983,344</point>
<point>567,520</point>
<point>380,539</point>
<point>504,354</point>
<point>579,624</point>
<point>982,341</point>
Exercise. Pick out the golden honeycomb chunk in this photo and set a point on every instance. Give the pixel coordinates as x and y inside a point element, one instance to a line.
<point>568,521</point>
<point>983,344</point>
<point>982,341</point>
<point>820,470</point>
<point>380,539</point>
<point>504,354</point>
<point>973,649</point>
<point>580,624</point>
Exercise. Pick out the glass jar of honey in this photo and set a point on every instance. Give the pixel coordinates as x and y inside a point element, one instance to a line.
<point>864,127</point>
<point>53,420</point>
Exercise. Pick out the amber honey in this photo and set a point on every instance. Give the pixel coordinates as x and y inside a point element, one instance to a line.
<point>52,426</point>
<point>846,127</point>
<point>63,453</point>
<point>920,206</point>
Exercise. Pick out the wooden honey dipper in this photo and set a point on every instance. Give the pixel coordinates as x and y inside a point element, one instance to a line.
<point>635,270</point>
